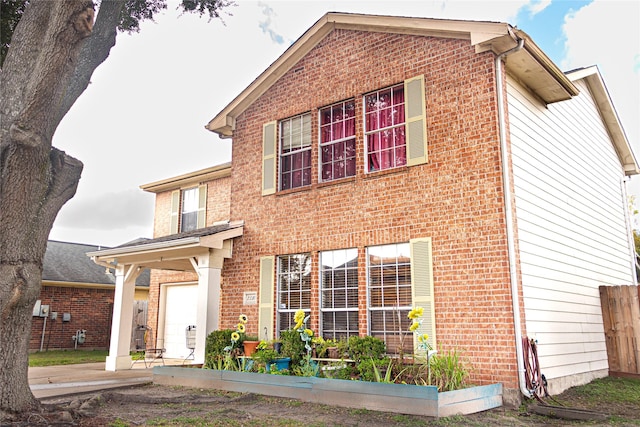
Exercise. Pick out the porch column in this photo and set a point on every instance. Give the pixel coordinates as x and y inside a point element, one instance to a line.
<point>119,358</point>
<point>207,312</point>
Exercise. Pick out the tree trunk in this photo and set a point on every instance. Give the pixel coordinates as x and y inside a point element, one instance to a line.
<point>36,179</point>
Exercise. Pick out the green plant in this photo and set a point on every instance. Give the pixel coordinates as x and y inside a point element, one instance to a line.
<point>292,346</point>
<point>361,348</point>
<point>322,346</point>
<point>307,367</point>
<point>448,371</point>
<point>265,355</point>
<point>367,368</point>
<point>389,373</point>
<point>215,346</point>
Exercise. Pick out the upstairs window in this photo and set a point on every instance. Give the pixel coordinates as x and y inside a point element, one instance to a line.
<point>384,128</point>
<point>188,209</point>
<point>338,141</point>
<point>295,152</point>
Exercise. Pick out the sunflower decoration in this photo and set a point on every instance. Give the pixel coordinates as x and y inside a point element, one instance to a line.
<point>415,315</point>
<point>301,320</point>
<point>240,329</point>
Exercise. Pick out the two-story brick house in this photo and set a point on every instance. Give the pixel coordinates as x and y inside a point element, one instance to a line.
<point>383,163</point>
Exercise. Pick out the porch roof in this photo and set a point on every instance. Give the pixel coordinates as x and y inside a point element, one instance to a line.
<point>172,252</point>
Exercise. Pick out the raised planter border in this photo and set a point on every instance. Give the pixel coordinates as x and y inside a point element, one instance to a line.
<point>397,398</point>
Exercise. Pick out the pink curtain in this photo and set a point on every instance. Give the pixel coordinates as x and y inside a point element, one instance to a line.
<point>384,111</point>
<point>337,123</point>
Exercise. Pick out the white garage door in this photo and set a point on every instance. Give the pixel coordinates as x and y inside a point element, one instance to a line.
<point>180,312</point>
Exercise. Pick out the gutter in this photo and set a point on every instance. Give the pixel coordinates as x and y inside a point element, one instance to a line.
<point>508,206</point>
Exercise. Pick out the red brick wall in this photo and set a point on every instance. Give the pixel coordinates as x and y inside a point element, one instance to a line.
<point>90,309</point>
<point>456,199</point>
<point>218,199</point>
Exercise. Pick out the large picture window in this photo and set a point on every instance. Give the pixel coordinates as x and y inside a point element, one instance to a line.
<point>294,287</point>
<point>385,128</point>
<point>338,141</point>
<point>295,152</point>
<point>389,294</point>
<point>339,293</point>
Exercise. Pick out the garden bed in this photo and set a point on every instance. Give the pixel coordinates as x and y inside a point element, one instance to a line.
<point>398,398</point>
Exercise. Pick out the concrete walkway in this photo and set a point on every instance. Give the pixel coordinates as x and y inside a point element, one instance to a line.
<point>61,380</point>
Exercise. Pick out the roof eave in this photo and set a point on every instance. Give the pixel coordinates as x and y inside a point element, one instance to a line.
<point>191,178</point>
<point>530,65</point>
<point>599,91</point>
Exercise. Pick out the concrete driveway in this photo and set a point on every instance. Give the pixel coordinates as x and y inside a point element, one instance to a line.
<point>60,380</point>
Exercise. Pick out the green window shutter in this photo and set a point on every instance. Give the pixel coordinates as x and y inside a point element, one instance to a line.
<point>269,158</point>
<point>202,206</point>
<point>265,309</point>
<point>422,288</point>
<point>415,121</point>
<point>175,212</point>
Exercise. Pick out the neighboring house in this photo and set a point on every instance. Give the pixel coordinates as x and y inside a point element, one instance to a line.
<point>383,163</point>
<point>76,295</point>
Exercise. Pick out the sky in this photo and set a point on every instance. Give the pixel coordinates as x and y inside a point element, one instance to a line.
<point>142,117</point>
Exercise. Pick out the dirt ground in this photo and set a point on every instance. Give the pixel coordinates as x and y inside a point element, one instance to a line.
<point>155,405</point>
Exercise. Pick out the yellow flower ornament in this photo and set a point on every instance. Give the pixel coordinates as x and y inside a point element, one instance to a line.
<point>416,313</point>
<point>415,325</point>
<point>235,336</point>
<point>243,318</point>
<point>241,328</point>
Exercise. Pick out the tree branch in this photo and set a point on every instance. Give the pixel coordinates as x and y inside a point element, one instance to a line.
<point>95,51</point>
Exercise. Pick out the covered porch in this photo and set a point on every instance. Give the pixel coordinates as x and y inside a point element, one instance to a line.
<point>201,251</point>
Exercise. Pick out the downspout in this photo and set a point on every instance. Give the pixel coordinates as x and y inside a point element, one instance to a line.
<point>508,206</point>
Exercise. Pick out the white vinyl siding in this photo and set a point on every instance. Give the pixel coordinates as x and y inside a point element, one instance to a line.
<point>572,229</point>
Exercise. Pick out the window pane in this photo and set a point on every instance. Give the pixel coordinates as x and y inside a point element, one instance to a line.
<point>189,210</point>
<point>339,296</point>
<point>295,152</point>
<point>337,141</point>
<point>384,128</point>
<point>389,290</point>
<point>293,287</point>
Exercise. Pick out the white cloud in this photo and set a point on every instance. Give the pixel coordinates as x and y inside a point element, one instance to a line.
<point>536,7</point>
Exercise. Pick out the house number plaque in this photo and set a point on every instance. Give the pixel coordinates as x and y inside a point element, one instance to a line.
<point>250,298</point>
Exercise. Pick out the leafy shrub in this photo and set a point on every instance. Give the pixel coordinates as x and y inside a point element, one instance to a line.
<point>292,346</point>
<point>361,348</point>
<point>215,345</point>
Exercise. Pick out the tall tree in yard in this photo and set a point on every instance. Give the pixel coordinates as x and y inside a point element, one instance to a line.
<point>50,56</point>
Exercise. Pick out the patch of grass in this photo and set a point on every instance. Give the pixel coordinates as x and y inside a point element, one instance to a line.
<point>610,390</point>
<point>119,423</point>
<point>66,357</point>
<point>408,420</point>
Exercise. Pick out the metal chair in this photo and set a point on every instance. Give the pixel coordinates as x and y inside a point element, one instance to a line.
<point>190,336</point>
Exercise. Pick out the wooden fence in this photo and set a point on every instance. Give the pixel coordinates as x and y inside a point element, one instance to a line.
<point>621,315</point>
